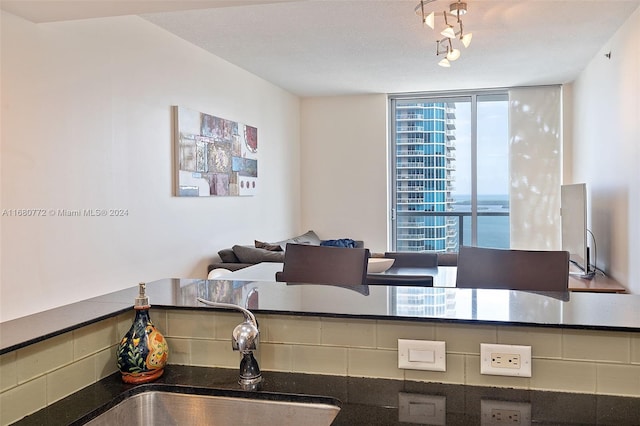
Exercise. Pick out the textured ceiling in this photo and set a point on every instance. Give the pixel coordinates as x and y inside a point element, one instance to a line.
<point>337,47</point>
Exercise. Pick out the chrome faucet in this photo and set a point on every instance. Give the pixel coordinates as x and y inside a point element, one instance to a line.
<point>244,339</point>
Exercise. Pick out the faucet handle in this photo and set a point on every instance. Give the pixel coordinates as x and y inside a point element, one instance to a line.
<point>248,315</point>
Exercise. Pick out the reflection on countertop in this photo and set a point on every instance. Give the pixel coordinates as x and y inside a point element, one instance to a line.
<point>374,401</point>
<point>428,304</point>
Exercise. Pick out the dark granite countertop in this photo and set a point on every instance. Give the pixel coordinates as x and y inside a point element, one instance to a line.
<point>598,311</point>
<point>373,401</point>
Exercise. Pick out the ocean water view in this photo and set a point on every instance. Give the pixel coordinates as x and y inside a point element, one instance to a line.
<point>493,231</point>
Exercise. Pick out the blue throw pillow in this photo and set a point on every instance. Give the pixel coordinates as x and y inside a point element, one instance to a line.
<point>342,242</point>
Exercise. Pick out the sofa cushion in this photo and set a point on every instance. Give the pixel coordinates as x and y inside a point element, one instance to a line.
<point>308,237</point>
<point>247,254</point>
<point>267,246</point>
<point>227,255</point>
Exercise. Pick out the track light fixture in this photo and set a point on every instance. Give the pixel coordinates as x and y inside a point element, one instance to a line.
<point>450,31</point>
<point>445,47</point>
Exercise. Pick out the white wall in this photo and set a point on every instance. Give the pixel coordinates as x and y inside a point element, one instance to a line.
<point>86,124</point>
<point>606,151</point>
<point>343,158</point>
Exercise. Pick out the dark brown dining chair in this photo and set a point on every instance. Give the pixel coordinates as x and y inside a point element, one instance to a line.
<point>311,264</point>
<point>543,271</point>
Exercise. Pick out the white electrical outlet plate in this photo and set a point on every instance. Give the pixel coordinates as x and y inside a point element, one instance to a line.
<point>505,360</point>
<point>422,409</point>
<point>495,412</point>
<point>422,355</point>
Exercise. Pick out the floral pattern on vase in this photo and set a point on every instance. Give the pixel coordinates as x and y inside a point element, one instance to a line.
<point>143,351</point>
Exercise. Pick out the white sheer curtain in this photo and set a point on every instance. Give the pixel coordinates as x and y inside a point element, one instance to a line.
<point>535,151</point>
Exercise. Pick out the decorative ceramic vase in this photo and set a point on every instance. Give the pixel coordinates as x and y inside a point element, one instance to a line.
<point>143,351</point>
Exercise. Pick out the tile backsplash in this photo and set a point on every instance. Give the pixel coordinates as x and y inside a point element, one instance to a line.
<point>565,360</point>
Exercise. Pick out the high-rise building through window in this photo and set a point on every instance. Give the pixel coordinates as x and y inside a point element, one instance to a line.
<point>425,174</point>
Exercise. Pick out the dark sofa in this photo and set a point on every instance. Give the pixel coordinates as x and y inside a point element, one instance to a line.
<point>241,256</point>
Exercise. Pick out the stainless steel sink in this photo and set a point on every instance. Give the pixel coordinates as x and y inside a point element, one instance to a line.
<point>180,408</point>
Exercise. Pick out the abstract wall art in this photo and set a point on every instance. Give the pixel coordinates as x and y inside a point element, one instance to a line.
<point>214,156</point>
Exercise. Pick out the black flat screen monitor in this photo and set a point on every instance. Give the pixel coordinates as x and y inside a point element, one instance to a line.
<point>573,211</point>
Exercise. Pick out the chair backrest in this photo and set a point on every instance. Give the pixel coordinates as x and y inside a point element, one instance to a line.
<point>417,259</point>
<point>513,269</point>
<point>324,265</point>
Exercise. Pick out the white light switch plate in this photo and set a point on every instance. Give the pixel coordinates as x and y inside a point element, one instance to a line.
<point>422,355</point>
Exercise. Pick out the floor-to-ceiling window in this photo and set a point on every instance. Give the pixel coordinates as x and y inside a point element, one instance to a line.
<point>450,165</point>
